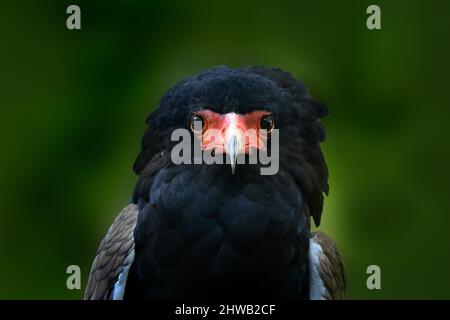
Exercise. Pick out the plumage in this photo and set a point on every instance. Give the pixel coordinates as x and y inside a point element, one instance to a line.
<point>328,279</point>
<point>114,254</point>
<point>202,231</point>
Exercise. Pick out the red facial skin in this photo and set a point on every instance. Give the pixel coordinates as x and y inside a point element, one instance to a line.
<point>218,128</point>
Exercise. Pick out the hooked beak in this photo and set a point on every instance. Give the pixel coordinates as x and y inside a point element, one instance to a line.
<point>234,141</point>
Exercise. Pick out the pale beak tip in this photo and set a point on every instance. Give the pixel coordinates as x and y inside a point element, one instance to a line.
<point>234,142</point>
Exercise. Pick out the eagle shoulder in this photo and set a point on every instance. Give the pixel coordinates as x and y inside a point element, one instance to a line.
<point>327,272</point>
<point>114,258</point>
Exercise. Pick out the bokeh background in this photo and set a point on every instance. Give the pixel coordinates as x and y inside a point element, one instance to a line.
<point>73,106</point>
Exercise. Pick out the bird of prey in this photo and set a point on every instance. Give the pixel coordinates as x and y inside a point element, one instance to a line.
<point>203,231</point>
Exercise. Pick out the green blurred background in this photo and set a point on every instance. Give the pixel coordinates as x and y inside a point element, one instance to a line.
<point>73,106</point>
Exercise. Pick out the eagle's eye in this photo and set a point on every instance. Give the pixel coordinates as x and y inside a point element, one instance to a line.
<point>197,123</point>
<point>267,122</point>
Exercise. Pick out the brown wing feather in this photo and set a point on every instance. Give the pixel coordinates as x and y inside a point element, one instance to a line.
<point>331,267</point>
<point>113,255</point>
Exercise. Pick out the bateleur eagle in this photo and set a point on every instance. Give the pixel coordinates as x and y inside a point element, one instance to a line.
<point>196,231</point>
